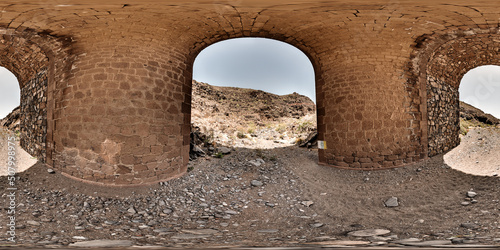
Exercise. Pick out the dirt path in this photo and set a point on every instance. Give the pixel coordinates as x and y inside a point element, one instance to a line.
<point>478,153</point>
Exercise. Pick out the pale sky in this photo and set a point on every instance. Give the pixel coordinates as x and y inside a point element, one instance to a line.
<point>10,94</point>
<point>278,68</point>
<point>480,87</point>
<point>256,63</point>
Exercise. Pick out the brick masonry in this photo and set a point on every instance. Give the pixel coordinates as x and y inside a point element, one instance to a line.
<point>118,77</point>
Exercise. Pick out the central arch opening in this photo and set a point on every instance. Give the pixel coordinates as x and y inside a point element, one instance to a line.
<point>479,106</point>
<point>253,93</point>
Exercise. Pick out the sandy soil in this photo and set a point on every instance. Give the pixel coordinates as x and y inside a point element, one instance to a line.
<point>478,153</point>
<point>23,159</point>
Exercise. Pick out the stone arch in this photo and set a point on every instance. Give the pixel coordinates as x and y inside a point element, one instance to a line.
<point>444,61</point>
<point>29,64</point>
<point>308,52</point>
<point>31,57</point>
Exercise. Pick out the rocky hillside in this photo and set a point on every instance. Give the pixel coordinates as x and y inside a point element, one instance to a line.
<point>12,121</point>
<point>249,103</point>
<point>241,117</point>
<point>471,116</point>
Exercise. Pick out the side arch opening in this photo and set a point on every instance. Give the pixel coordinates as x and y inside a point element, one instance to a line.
<point>479,109</point>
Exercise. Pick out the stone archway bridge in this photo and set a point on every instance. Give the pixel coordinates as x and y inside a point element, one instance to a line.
<point>106,86</point>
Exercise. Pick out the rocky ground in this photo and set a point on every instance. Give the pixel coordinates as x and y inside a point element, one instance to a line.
<point>478,152</point>
<point>272,197</point>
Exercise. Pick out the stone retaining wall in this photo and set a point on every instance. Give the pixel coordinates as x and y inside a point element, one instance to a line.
<point>34,115</point>
<point>443,116</point>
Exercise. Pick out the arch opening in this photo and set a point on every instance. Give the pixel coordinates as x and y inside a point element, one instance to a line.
<point>10,121</point>
<point>479,147</point>
<point>22,55</point>
<point>254,93</point>
<point>10,92</point>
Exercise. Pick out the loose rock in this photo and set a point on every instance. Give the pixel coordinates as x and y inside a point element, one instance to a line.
<point>369,232</point>
<point>392,202</point>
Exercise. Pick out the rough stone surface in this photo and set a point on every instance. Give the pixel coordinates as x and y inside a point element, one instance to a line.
<point>112,101</point>
<point>102,243</point>
<point>392,202</point>
<point>369,232</point>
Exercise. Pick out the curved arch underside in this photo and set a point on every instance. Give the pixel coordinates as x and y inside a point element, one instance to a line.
<point>119,75</point>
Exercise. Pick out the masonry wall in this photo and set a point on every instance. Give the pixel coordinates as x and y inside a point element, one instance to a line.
<point>34,115</point>
<point>450,58</point>
<point>119,77</point>
<point>120,116</point>
<point>29,63</point>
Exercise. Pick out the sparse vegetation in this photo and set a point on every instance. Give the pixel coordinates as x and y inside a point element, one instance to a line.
<point>465,125</point>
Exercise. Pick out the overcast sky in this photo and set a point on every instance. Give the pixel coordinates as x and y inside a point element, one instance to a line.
<point>480,87</point>
<point>9,92</point>
<point>278,68</point>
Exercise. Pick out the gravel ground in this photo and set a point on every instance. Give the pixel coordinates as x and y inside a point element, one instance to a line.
<point>272,197</point>
<point>478,153</point>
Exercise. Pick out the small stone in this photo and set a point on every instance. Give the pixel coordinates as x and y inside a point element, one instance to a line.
<point>79,238</point>
<point>191,236</point>
<point>33,223</point>
<point>392,202</point>
<point>224,150</point>
<point>471,194</point>
<point>457,240</point>
<point>167,211</point>
<point>402,241</point>
<point>231,212</point>
<point>200,231</point>
<point>257,162</point>
<point>102,243</point>
<point>267,231</point>
<point>161,230</point>
<point>469,225</point>
<point>269,204</point>
<point>316,225</point>
<point>224,224</point>
<point>369,232</point>
<point>429,243</point>
<point>307,203</point>
<point>132,210</point>
<point>465,203</point>
<point>256,183</point>
<point>51,171</point>
<point>340,243</point>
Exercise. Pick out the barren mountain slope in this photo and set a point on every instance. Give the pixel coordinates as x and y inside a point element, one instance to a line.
<point>251,118</point>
